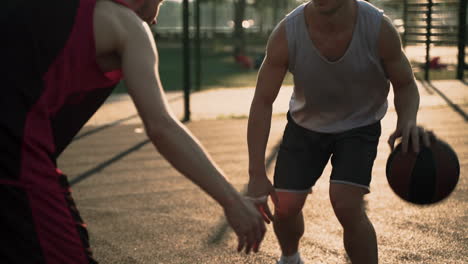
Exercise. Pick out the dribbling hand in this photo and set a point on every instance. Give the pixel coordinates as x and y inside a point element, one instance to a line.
<point>410,132</point>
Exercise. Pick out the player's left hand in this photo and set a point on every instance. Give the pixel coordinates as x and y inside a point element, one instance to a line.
<point>410,132</point>
<point>258,190</point>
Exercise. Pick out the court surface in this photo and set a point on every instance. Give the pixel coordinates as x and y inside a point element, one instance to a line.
<point>140,210</point>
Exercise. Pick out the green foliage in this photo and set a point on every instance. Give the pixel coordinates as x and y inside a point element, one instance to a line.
<point>219,69</point>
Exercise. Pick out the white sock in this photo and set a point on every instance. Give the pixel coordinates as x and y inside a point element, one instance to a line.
<point>291,259</point>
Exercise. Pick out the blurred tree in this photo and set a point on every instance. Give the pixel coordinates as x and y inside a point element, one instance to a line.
<point>261,9</point>
<point>239,34</point>
<point>269,12</point>
<point>276,11</point>
<point>214,21</point>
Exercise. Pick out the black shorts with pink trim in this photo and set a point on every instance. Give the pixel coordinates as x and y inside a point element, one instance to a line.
<point>41,226</point>
<point>303,155</point>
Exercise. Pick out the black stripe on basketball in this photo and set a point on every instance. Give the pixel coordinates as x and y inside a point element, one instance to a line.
<point>399,168</point>
<point>423,178</point>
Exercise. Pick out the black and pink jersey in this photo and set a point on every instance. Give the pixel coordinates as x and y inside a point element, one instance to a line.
<point>51,85</point>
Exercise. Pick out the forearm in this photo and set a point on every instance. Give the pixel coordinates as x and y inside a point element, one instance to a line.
<point>406,100</point>
<point>187,155</point>
<point>257,136</point>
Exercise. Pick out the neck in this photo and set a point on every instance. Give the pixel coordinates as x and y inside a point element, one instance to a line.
<point>334,20</point>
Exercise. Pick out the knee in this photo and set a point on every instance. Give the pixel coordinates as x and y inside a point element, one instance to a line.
<point>287,211</point>
<point>290,205</point>
<point>348,211</point>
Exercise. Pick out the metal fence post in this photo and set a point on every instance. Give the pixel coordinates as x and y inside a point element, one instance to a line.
<point>405,22</point>
<point>186,60</point>
<point>428,39</point>
<point>198,66</point>
<point>461,39</point>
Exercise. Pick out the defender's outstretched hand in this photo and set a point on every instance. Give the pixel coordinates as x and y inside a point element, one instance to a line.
<point>247,223</point>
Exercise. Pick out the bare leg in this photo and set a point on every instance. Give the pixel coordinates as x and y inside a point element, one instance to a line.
<point>289,221</point>
<point>360,240</point>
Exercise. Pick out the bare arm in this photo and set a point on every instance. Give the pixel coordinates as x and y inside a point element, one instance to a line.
<point>170,137</point>
<point>139,59</point>
<point>270,79</point>
<point>406,95</point>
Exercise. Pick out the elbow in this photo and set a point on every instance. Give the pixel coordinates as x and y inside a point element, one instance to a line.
<point>159,129</point>
<point>408,89</point>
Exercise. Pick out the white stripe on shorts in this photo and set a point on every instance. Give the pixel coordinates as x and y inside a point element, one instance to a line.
<point>294,191</point>
<point>351,183</point>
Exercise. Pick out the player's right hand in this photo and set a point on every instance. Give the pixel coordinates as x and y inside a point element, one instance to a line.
<point>247,223</point>
<point>258,190</point>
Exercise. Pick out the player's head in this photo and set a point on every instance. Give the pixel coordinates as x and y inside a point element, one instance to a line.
<point>148,9</point>
<point>328,7</point>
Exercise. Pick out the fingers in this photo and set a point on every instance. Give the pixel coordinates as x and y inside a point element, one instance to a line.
<point>268,213</point>
<point>262,235</point>
<point>266,209</point>
<point>240,242</point>
<point>420,136</point>
<point>392,138</point>
<point>405,139</point>
<point>415,138</point>
<point>274,197</point>
<point>262,205</point>
<point>264,214</point>
<point>414,134</point>
<point>250,239</point>
<point>259,234</point>
<point>432,136</point>
<point>426,137</point>
<point>248,224</point>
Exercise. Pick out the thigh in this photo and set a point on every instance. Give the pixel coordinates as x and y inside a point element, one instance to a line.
<point>353,156</point>
<point>301,159</point>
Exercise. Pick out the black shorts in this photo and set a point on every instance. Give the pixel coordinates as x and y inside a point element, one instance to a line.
<point>304,154</point>
<point>42,226</point>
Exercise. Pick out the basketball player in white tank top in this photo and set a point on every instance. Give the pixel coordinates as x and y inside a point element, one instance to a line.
<point>330,27</point>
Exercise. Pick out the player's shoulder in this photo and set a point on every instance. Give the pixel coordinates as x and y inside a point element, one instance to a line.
<point>387,29</point>
<point>115,25</point>
<point>277,46</point>
<point>387,23</point>
<point>278,35</point>
<point>297,12</point>
<point>368,7</point>
<point>116,16</point>
<point>389,39</point>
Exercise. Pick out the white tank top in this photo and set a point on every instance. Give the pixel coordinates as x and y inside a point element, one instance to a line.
<point>332,97</point>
